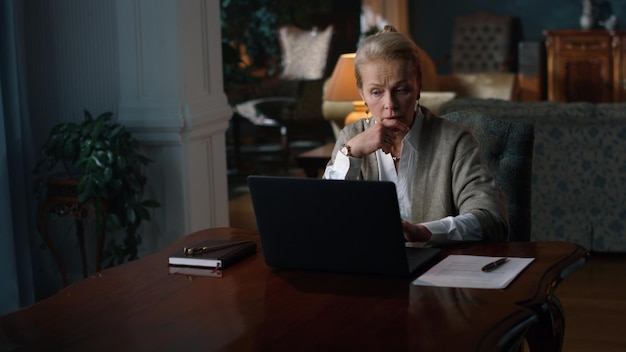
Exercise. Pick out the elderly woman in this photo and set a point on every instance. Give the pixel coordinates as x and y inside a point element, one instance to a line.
<point>445,192</point>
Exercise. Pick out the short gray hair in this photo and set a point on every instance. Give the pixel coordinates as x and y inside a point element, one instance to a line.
<point>388,44</point>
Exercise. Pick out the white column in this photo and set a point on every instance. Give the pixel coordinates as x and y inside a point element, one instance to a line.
<point>172,98</point>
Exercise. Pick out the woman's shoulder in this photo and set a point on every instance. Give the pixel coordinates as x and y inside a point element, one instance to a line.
<point>437,124</point>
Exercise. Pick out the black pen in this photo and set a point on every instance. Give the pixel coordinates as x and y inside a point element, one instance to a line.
<point>495,264</point>
<point>191,251</point>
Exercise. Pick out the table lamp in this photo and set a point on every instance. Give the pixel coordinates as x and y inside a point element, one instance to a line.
<point>342,101</point>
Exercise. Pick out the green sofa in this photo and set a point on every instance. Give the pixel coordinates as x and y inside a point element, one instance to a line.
<point>579,168</point>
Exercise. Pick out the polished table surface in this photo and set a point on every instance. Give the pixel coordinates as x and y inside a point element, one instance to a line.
<point>141,306</point>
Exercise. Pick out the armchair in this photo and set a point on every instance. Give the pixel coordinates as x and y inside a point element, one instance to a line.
<point>507,149</point>
<point>293,99</point>
<point>482,58</point>
<point>482,42</point>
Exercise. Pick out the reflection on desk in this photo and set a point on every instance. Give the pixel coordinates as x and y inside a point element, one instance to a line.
<point>140,306</point>
<point>192,272</point>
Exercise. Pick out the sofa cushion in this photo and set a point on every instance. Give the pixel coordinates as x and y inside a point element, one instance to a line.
<point>305,53</point>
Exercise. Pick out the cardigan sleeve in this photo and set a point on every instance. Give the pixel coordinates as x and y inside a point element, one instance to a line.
<point>365,168</point>
<point>475,190</point>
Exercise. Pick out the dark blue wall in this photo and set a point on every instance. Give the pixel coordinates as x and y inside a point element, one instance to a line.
<point>431,21</point>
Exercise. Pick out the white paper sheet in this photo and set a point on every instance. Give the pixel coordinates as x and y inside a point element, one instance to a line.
<point>466,271</point>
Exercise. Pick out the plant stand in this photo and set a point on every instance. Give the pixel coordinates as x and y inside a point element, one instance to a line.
<point>62,200</point>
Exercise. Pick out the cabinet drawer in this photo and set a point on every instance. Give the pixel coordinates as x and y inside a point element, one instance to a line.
<point>583,43</point>
<point>586,65</point>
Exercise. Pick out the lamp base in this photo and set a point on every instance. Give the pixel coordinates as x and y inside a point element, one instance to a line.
<point>359,112</point>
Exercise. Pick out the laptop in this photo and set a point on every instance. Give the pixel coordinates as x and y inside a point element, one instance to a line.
<point>333,225</point>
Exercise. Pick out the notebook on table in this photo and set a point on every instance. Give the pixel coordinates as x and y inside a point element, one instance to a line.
<point>333,225</point>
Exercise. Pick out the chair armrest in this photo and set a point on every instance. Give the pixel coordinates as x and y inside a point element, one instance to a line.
<point>251,110</point>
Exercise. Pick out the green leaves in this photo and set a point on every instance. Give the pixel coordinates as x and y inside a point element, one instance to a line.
<point>131,216</point>
<point>151,204</point>
<point>108,163</point>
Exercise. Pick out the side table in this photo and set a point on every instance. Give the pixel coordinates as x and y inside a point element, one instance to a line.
<point>312,161</point>
<point>62,200</point>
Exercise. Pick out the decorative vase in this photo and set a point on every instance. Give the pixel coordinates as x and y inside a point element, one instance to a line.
<point>586,21</point>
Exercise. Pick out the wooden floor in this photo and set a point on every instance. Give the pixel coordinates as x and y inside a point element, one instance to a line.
<point>594,301</point>
<point>593,298</point>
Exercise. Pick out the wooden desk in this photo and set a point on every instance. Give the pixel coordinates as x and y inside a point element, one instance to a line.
<point>140,306</point>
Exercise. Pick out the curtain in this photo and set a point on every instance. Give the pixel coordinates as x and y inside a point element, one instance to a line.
<point>17,227</point>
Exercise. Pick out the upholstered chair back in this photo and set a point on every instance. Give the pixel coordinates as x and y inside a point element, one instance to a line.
<point>482,42</point>
<point>507,149</point>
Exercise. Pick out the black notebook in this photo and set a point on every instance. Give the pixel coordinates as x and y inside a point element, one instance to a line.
<point>232,252</point>
<point>333,225</point>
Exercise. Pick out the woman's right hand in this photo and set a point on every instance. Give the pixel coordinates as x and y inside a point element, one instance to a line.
<point>382,135</point>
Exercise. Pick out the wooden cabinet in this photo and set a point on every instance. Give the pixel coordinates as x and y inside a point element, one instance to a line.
<point>586,65</point>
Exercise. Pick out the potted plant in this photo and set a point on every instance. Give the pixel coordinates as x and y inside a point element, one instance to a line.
<point>105,163</point>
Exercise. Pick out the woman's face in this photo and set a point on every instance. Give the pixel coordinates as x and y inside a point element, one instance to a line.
<point>390,89</point>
